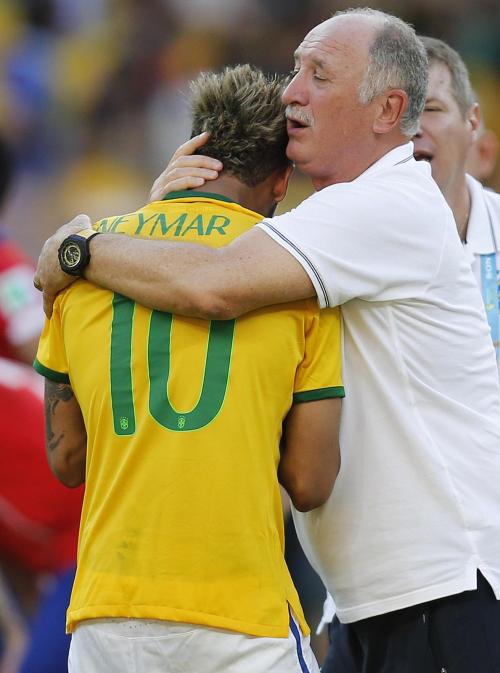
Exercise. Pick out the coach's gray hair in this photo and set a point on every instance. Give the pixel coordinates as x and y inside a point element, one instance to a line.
<point>397,60</point>
<point>440,52</point>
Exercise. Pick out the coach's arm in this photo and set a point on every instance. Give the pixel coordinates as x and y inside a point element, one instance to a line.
<point>310,454</point>
<point>184,278</point>
<point>65,434</point>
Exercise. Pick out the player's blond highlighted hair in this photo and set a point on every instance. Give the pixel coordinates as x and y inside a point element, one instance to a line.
<point>241,108</point>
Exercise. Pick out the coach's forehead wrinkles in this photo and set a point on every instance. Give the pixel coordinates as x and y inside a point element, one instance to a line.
<point>343,38</point>
<point>320,52</point>
<point>301,54</point>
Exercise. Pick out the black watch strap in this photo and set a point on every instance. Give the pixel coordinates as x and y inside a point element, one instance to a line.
<point>87,233</point>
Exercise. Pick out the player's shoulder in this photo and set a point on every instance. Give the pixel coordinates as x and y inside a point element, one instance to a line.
<point>311,310</point>
<point>119,224</point>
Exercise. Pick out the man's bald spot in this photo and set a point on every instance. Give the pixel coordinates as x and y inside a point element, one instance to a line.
<point>347,31</point>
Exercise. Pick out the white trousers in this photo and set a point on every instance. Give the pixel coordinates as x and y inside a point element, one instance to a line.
<point>150,646</point>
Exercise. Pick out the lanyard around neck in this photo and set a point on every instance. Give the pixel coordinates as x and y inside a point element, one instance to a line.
<point>489,287</point>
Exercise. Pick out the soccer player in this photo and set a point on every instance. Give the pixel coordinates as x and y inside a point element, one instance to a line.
<point>175,424</point>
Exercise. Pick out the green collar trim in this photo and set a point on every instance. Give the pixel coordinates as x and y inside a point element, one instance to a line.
<point>193,194</point>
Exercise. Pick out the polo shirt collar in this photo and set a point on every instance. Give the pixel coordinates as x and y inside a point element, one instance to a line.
<point>399,155</point>
<point>479,235</point>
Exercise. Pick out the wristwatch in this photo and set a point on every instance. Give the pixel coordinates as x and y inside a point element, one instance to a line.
<point>74,252</point>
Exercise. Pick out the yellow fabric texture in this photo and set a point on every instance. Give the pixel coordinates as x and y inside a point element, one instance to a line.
<point>178,523</point>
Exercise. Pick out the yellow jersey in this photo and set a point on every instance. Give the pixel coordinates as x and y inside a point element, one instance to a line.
<point>182,517</point>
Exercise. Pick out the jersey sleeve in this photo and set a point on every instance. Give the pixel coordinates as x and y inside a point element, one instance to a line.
<point>51,361</point>
<point>319,375</point>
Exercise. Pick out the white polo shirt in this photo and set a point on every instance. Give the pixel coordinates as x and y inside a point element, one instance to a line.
<point>483,251</point>
<point>415,510</point>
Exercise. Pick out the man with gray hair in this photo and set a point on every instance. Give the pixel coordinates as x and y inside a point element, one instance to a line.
<point>448,129</point>
<point>414,514</point>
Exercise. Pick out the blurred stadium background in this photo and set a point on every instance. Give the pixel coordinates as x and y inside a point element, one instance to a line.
<point>93,92</point>
<point>93,99</point>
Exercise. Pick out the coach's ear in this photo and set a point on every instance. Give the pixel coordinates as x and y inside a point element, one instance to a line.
<point>390,107</point>
<point>281,185</point>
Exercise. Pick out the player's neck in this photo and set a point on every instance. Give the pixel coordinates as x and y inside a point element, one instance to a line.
<point>232,188</point>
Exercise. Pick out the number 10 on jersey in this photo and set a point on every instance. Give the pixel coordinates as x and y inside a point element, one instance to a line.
<point>213,386</point>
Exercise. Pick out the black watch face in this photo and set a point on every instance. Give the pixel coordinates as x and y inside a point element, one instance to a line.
<point>71,255</point>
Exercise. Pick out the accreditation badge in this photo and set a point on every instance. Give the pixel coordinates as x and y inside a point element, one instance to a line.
<point>490,290</point>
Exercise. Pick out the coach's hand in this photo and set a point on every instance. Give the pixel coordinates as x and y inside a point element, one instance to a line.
<point>186,170</point>
<point>49,278</point>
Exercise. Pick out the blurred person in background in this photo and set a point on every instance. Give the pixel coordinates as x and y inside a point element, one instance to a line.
<point>181,561</point>
<point>38,532</point>
<point>38,518</point>
<point>31,69</point>
<point>21,315</point>
<point>448,132</point>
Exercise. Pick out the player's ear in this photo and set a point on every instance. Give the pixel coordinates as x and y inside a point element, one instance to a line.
<point>281,185</point>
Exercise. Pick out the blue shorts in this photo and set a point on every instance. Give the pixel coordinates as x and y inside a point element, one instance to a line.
<point>456,634</point>
<point>48,644</point>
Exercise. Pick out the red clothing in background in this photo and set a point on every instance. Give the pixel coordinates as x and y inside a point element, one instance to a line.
<point>21,314</point>
<point>39,517</point>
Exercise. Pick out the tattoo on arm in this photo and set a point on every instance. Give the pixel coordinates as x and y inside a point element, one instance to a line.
<point>54,394</point>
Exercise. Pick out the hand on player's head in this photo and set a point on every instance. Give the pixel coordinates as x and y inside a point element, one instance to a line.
<point>186,170</point>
